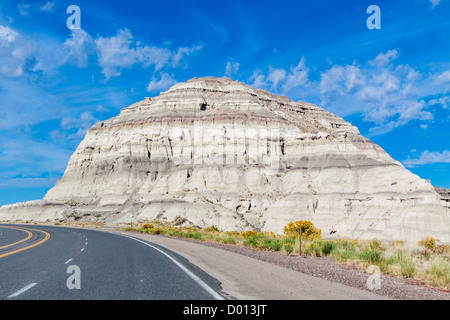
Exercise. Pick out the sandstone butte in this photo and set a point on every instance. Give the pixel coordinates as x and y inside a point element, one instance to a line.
<point>217,152</point>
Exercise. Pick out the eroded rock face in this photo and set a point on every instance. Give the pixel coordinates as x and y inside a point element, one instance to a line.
<point>218,152</point>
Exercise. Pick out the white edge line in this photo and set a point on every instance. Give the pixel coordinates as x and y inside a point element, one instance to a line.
<point>19,292</point>
<point>187,271</point>
<point>68,261</point>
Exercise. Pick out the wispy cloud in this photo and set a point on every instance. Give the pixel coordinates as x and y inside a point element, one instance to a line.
<point>24,8</point>
<point>231,68</point>
<point>22,157</point>
<point>427,157</point>
<point>48,6</point>
<point>163,82</point>
<point>435,3</point>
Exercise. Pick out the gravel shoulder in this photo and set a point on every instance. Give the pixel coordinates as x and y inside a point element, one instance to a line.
<point>250,274</point>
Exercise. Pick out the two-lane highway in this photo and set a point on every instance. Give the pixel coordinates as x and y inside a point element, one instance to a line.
<point>52,262</point>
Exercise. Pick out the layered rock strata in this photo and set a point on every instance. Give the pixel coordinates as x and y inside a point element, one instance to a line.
<point>217,152</point>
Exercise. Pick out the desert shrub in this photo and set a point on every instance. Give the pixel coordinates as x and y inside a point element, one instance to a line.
<point>426,253</point>
<point>211,229</point>
<point>229,240</point>
<point>370,255</point>
<point>344,250</point>
<point>232,233</point>
<point>273,244</point>
<point>309,232</point>
<point>346,244</point>
<point>247,234</point>
<point>440,272</point>
<point>288,248</point>
<point>147,226</point>
<point>193,235</point>
<point>407,268</point>
<point>268,234</point>
<point>428,243</point>
<point>327,246</point>
<point>399,243</point>
<point>251,241</point>
<point>376,244</point>
<point>442,249</point>
<point>190,229</point>
<point>289,240</point>
<point>312,249</point>
<point>173,232</point>
<point>156,231</point>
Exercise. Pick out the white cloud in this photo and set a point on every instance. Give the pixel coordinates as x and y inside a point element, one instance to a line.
<point>21,54</point>
<point>298,77</point>
<point>444,101</point>
<point>162,83</point>
<point>49,6</point>
<point>434,3</point>
<point>7,35</point>
<point>84,121</point>
<point>276,76</point>
<point>384,58</point>
<point>15,52</point>
<point>339,81</point>
<point>122,52</point>
<point>231,68</point>
<point>78,48</point>
<point>182,52</point>
<point>427,157</point>
<point>388,96</point>
<point>281,81</point>
<point>383,93</point>
<point>115,53</point>
<point>24,8</point>
<point>442,78</point>
<point>258,80</point>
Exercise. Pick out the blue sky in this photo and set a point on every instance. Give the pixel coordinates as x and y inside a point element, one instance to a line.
<point>55,83</point>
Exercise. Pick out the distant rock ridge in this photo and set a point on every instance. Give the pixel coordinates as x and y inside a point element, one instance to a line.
<point>219,152</point>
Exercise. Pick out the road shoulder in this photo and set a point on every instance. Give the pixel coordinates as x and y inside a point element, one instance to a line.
<point>244,277</point>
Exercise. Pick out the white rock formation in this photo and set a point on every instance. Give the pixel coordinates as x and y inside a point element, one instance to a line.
<point>218,152</point>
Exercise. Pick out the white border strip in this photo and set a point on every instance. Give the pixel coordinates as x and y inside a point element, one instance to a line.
<point>187,271</point>
<point>17,293</point>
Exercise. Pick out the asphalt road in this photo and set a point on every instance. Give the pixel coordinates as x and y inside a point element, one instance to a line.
<point>51,262</point>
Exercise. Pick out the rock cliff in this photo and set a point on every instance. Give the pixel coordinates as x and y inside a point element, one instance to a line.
<point>218,152</point>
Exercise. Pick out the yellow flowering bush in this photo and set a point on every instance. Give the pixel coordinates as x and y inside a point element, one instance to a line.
<point>248,234</point>
<point>211,229</point>
<point>428,243</point>
<point>309,232</point>
<point>147,226</point>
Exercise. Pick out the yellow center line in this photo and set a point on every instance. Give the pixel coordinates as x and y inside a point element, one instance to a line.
<point>47,236</point>
<point>25,239</point>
